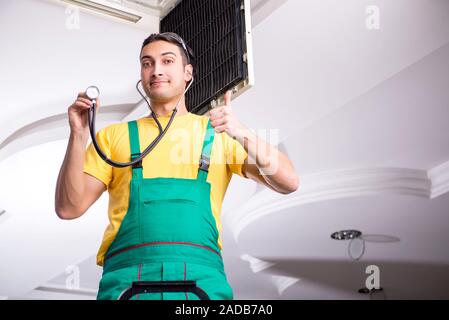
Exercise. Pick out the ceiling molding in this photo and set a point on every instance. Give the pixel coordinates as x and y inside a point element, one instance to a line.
<point>65,290</point>
<point>256,265</point>
<point>55,128</point>
<point>281,283</point>
<point>4,215</point>
<point>57,292</point>
<point>341,184</point>
<point>440,180</point>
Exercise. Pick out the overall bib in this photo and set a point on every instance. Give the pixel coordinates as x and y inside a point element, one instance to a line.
<point>168,234</point>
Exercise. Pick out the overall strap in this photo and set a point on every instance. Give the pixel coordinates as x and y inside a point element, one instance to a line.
<point>205,153</point>
<point>135,149</point>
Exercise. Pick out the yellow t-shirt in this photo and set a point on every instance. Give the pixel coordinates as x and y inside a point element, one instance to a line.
<point>176,156</point>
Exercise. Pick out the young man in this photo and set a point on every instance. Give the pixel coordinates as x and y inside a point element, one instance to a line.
<point>165,215</point>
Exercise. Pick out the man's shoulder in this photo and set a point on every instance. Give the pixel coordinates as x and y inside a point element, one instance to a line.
<point>192,119</point>
<point>115,127</point>
<point>111,131</point>
<point>199,117</point>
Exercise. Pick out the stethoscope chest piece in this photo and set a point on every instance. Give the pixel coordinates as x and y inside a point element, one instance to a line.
<point>92,92</point>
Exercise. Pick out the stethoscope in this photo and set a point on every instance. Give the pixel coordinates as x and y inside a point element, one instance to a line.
<point>93,93</point>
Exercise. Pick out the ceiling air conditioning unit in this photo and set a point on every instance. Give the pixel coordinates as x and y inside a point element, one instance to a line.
<point>218,31</point>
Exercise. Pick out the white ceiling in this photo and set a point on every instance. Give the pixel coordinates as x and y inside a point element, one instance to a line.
<point>362,113</point>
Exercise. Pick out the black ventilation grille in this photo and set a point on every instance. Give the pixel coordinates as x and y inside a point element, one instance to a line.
<point>214,29</point>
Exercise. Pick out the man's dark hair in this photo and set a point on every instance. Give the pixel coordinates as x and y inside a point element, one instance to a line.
<point>186,52</point>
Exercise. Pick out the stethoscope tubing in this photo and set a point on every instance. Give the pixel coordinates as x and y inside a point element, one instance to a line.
<point>92,117</point>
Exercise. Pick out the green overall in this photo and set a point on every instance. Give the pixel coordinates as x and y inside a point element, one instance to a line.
<point>168,233</point>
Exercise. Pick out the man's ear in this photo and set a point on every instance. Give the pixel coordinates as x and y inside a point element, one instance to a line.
<point>188,72</point>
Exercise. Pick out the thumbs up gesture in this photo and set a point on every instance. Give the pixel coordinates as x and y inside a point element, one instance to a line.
<point>222,119</point>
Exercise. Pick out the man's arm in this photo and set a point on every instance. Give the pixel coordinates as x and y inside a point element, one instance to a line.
<point>76,191</point>
<point>271,167</point>
<point>265,164</point>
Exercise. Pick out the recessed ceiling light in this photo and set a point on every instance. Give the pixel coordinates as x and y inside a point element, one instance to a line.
<point>346,234</point>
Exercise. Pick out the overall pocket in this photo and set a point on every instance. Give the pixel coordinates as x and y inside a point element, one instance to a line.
<point>172,220</point>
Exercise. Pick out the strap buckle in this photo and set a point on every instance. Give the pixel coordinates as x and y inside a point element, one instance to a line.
<point>137,165</point>
<point>204,163</point>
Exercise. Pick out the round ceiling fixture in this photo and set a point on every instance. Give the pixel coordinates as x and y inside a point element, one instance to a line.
<point>356,248</point>
<point>346,234</point>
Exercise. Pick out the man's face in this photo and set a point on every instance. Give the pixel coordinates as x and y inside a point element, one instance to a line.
<point>162,71</point>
